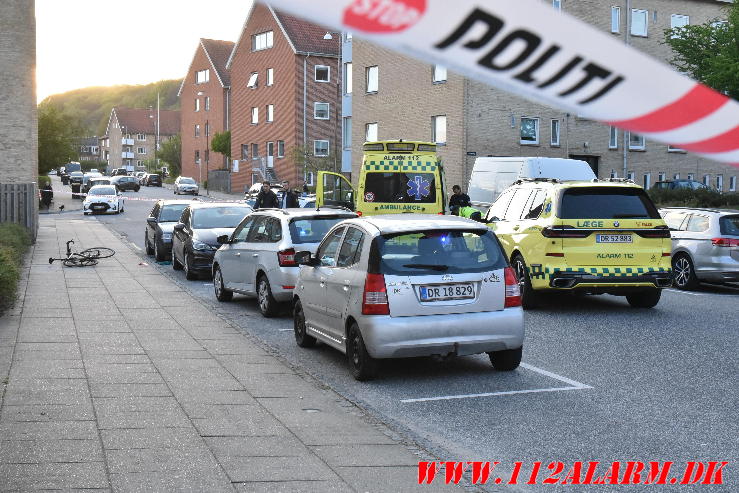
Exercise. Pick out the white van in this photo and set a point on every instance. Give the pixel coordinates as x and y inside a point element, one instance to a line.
<point>491,175</point>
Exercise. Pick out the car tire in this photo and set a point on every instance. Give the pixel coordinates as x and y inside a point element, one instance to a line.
<point>301,336</point>
<point>647,298</point>
<point>267,303</point>
<point>187,265</point>
<point>136,189</point>
<point>147,246</point>
<point>176,265</point>
<point>222,294</point>
<point>683,272</point>
<point>158,251</point>
<point>363,366</point>
<point>506,360</point>
<point>529,297</point>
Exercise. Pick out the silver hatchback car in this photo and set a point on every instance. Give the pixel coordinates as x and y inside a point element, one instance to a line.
<point>705,245</point>
<point>399,286</point>
<point>259,258</point>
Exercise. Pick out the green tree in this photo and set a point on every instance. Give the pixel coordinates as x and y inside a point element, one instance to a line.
<point>170,152</point>
<point>709,52</point>
<point>304,158</point>
<point>57,138</point>
<point>221,142</point>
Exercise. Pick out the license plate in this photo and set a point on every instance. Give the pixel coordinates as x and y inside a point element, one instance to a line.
<point>614,239</point>
<point>98,207</point>
<point>447,292</point>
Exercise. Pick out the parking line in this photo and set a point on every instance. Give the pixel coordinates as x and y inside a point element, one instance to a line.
<point>286,330</point>
<point>549,374</point>
<point>137,247</point>
<point>684,292</point>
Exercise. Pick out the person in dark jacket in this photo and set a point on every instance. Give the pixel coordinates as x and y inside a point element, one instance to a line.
<point>290,197</point>
<point>458,199</point>
<point>266,198</point>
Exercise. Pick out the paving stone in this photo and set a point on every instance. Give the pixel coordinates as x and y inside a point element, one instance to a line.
<point>80,411</point>
<point>53,475</point>
<point>213,482</point>
<point>38,451</point>
<point>256,446</point>
<point>161,460</point>
<point>366,455</point>
<point>402,479</point>
<point>129,389</point>
<point>292,468</point>
<point>293,487</point>
<point>149,438</point>
<point>57,430</point>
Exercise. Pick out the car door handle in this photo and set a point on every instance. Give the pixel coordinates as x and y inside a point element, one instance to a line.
<point>238,254</point>
<point>255,255</point>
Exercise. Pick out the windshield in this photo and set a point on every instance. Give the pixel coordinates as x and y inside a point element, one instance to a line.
<point>400,188</point>
<point>438,251</point>
<point>171,213</point>
<point>188,181</point>
<point>606,203</point>
<point>219,217</point>
<point>729,225</point>
<point>312,229</point>
<point>102,191</point>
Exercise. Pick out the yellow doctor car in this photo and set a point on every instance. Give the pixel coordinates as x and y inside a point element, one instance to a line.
<point>595,237</point>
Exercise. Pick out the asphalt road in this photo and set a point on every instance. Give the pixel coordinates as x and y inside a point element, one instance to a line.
<point>600,381</point>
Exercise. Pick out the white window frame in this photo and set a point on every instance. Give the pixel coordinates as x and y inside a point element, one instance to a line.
<point>255,115</point>
<point>557,4</point>
<point>346,132</point>
<point>254,147</point>
<point>197,130</point>
<point>720,182</point>
<point>691,176</point>
<point>707,180</point>
<point>197,105</point>
<point>680,17</point>
<point>270,113</point>
<point>315,110</point>
<point>630,175</point>
<point>616,20</point>
<point>253,81</point>
<point>661,176</point>
<point>315,73</point>
<point>141,150</point>
<point>244,152</point>
<point>732,184</point>
<point>280,148</point>
<point>538,131</point>
<point>202,76</point>
<point>552,124</point>
<point>270,149</point>
<point>439,74</point>
<point>207,103</point>
<point>371,128</point>
<point>308,179</point>
<point>647,181</point>
<point>141,137</point>
<point>315,148</point>
<point>375,87</point>
<point>270,80</point>
<point>348,71</point>
<point>262,41</point>
<point>645,13</point>
<point>438,129</point>
<point>612,138</point>
<point>676,176</point>
<point>637,147</point>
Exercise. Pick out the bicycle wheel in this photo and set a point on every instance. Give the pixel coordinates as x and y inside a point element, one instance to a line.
<point>80,261</point>
<point>98,252</point>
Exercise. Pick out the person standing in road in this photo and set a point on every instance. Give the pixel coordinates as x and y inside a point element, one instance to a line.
<point>458,199</point>
<point>266,198</point>
<point>290,197</point>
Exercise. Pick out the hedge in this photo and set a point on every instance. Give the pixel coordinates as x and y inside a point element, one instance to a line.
<point>14,241</point>
<point>695,198</point>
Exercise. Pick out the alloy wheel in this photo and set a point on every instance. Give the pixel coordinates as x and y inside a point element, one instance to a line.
<point>217,283</point>
<point>262,295</point>
<point>682,271</point>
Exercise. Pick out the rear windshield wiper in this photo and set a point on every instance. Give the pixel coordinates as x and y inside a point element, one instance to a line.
<point>428,266</point>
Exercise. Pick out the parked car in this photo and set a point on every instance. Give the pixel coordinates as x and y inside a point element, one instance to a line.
<point>395,287</point>
<point>60,171</point>
<point>160,225</point>
<point>679,185</point>
<point>76,178</point>
<point>126,183</point>
<point>94,170</point>
<point>98,181</point>
<point>705,245</point>
<point>103,199</point>
<point>152,180</point>
<point>185,184</point>
<point>119,172</point>
<point>86,179</point>
<point>258,258</point>
<point>140,175</point>
<point>194,237</point>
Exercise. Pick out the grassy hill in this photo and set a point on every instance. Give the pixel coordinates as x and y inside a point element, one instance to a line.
<point>91,105</point>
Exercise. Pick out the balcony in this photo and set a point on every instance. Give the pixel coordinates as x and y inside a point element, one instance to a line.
<point>127,142</point>
<point>127,155</point>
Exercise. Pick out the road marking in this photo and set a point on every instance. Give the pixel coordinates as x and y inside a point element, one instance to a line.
<point>137,247</point>
<point>684,292</point>
<point>574,385</point>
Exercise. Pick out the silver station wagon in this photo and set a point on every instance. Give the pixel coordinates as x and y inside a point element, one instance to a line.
<point>400,286</point>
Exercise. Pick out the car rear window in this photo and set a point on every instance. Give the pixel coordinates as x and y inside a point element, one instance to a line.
<point>312,229</point>
<point>606,203</point>
<point>436,252</point>
<point>400,188</point>
<point>102,191</point>
<point>729,225</point>
<point>219,217</point>
<point>171,213</point>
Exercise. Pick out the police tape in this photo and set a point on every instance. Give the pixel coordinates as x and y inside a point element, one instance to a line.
<point>67,193</point>
<point>527,48</point>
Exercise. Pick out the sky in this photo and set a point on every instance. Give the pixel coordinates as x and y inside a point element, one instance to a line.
<point>83,43</point>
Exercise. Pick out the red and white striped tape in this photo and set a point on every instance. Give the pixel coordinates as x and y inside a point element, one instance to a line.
<point>529,49</point>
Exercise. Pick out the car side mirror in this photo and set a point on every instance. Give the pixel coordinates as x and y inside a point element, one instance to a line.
<point>151,220</point>
<point>493,219</point>
<point>305,258</point>
<point>223,239</point>
<point>179,227</point>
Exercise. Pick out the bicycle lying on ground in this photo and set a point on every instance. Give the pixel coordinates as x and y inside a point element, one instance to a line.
<point>84,258</point>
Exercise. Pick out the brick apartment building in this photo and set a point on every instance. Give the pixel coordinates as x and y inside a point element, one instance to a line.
<point>472,119</point>
<point>204,106</point>
<point>284,92</point>
<point>131,135</point>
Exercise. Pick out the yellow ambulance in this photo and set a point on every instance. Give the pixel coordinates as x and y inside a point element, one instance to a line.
<point>396,177</point>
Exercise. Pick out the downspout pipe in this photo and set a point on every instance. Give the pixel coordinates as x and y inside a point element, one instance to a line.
<point>627,40</point>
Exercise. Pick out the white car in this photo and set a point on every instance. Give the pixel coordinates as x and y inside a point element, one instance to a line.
<point>102,199</point>
<point>185,184</point>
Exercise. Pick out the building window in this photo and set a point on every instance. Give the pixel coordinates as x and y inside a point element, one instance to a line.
<point>202,76</point>
<point>255,151</point>
<point>647,180</point>
<point>554,141</point>
<point>197,130</point>
<point>557,4</point>
<point>347,132</point>
<point>309,178</point>
<point>270,76</point>
<point>720,183</point>
<point>676,176</point>
<point>613,138</point>
<point>691,176</point>
<point>197,157</point>
<point>139,162</point>
<point>707,180</point>
<point>616,20</point>
<point>270,112</point>
<point>373,79</point>
<point>630,175</point>
<point>320,148</point>
<point>732,184</point>
<point>280,148</point>
<point>141,150</point>
<point>254,116</point>
<point>439,74</point>
<point>662,176</point>
<point>636,142</point>
<point>348,67</point>
<point>197,104</point>
<point>207,103</point>
<point>613,173</point>
<point>321,111</point>
<point>529,131</point>
<point>270,149</point>
<point>322,73</point>
<point>262,41</point>
<point>438,129</point>
<point>679,20</point>
<point>370,132</point>
<point>639,22</point>
<point>253,79</point>
<point>244,152</point>
<point>140,137</point>
<point>207,129</point>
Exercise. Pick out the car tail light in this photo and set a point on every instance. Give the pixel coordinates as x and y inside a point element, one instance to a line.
<point>512,290</point>
<point>286,258</point>
<point>374,299</point>
<point>565,232</point>
<point>657,232</point>
<point>359,213</point>
<point>725,242</point>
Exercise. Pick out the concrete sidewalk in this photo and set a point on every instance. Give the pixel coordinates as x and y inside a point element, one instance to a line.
<point>114,378</point>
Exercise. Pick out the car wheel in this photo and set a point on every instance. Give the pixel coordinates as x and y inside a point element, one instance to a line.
<point>187,265</point>
<point>137,189</point>
<point>683,272</point>
<point>222,294</point>
<point>506,360</point>
<point>147,245</point>
<point>175,191</point>
<point>267,304</point>
<point>362,365</point>
<point>644,299</point>
<point>176,265</point>
<point>301,336</point>
<point>529,298</point>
